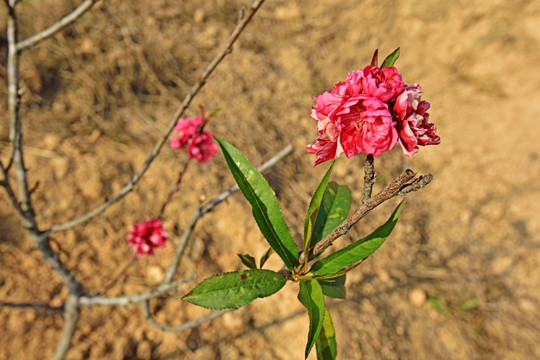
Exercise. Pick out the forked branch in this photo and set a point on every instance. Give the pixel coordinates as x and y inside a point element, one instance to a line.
<point>58,26</point>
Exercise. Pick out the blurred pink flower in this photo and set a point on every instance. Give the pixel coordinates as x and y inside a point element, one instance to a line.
<point>200,143</point>
<point>147,235</point>
<point>202,146</point>
<point>412,121</point>
<point>186,128</point>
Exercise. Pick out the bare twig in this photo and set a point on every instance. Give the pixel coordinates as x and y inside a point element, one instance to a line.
<point>417,184</point>
<point>24,205</point>
<point>174,189</point>
<point>10,193</point>
<point>370,177</point>
<point>179,252</point>
<point>387,193</point>
<point>185,326</point>
<point>113,281</point>
<point>122,300</point>
<point>71,317</point>
<point>42,242</point>
<point>15,134</point>
<point>39,307</point>
<point>179,112</point>
<point>56,27</point>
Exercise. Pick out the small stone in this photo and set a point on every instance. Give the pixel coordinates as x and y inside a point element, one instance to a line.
<point>198,15</point>
<point>144,350</point>
<point>154,274</point>
<point>417,297</point>
<point>51,141</point>
<point>288,12</point>
<point>60,167</point>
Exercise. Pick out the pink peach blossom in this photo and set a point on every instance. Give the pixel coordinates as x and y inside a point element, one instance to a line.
<point>355,116</point>
<point>186,128</point>
<point>412,119</point>
<point>147,235</point>
<point>202,146</point>
<point>367,126</point>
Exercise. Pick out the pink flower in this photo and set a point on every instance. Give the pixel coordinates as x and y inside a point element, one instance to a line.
<point>384,84</point>
<point>202,146</point>
<point>412,121</point>
<point>367,126</point>
<point>327,145</point>
<point>186,128</point>
<point>147,235</point>
<point>355,116</point>
<point>368,113</point>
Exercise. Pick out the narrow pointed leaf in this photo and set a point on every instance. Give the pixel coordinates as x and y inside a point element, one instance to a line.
<point>391,59</point>
<point>375,58</point>
<point>357,251</point>
<point>265,257</point>
<point>326,342</point>
<point>311,296</point>
<point>248,260</point>
<point>334,287</point>
<point>262,198</point>
<point>334,208</point>
<point>235,289</point>
<point>314,206</point>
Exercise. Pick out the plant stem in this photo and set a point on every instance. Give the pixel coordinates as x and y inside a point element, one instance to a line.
<point>174,189</point>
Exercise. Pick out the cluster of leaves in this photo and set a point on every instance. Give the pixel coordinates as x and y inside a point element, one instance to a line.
<point>317,277</point>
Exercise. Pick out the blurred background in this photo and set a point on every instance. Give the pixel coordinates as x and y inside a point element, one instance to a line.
<point>458,278</point>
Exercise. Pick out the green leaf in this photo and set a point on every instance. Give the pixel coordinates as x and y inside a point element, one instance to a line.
<point>439,305</point>
<point>313,209</point>
<point>326,342</point>
<point>262,198</point>
<point>334,287</point>
<point>311,296</point>
<point>235,289</point>
<point>265,257</point>
<point>334,208</point>
<point>357,251</point>
<point>391,59</point>
<point>470,304</point>
<point>248,260</point>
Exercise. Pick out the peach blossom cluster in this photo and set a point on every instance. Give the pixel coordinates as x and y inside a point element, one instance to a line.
<point>369,112</point>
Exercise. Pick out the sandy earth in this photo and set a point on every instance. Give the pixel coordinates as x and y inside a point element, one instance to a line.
<point>99,94</point>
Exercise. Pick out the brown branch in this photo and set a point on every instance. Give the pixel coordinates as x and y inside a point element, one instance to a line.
<point>370,177</point>
<point>185,326</point>
<point>15,133</point>
<point>417,184</point>
<point>68,278</point>
<point>387,193</point>
<point>56,27</point>
<point>71,317</point>
<point>88,300</point>
<point>38,307</point>
<point>174,189</point>
<point>118,276</point>
<point>10,193</point>
<point>179,112</point>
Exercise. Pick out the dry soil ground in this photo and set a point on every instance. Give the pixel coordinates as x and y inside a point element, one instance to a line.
<point>99,94</point>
